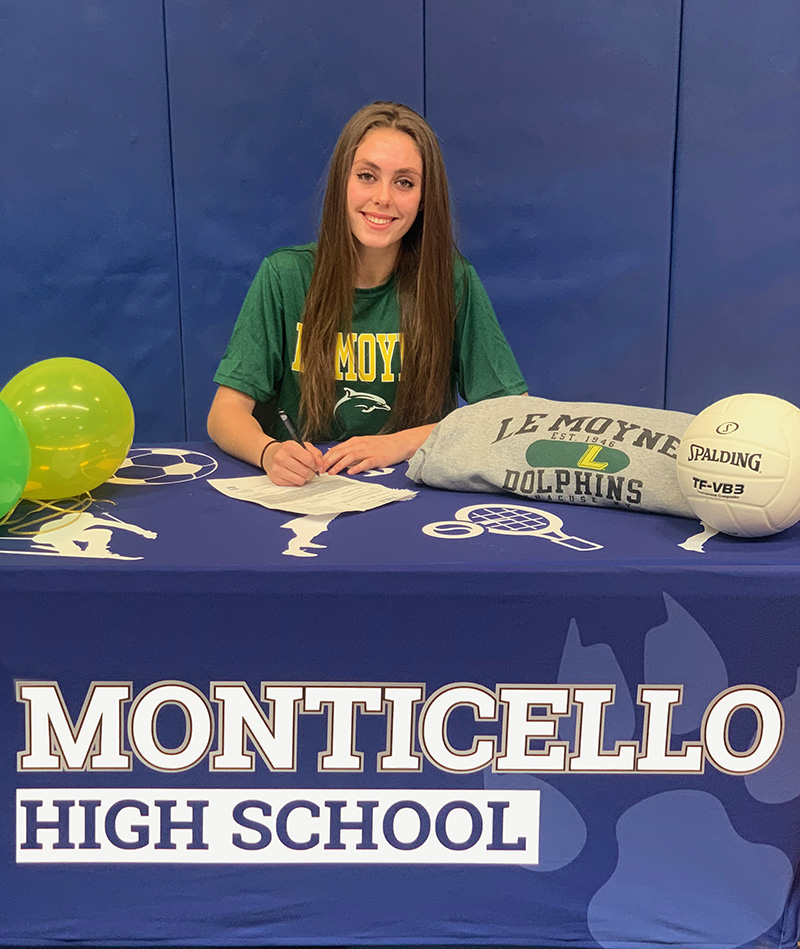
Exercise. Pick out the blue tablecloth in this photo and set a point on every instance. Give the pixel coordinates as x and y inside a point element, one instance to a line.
<point>225,725</point>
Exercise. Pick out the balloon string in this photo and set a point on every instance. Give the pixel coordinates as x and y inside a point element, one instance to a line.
<point>20,524</point>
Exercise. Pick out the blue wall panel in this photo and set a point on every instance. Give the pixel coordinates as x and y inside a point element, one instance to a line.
<point>88,267</point>
<point>259,92</point>
<point>558,123</point>
<point>736,293</point>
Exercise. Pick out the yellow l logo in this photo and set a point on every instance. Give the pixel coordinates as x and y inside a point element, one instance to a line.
<point>587,459</point>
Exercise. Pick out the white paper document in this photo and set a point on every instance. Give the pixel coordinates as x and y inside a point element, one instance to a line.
<point>326,494</point>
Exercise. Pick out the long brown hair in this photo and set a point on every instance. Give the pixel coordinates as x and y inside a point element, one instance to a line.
<point>423,280</point>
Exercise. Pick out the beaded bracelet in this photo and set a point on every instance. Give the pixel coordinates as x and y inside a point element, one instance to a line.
<point>263,452</point>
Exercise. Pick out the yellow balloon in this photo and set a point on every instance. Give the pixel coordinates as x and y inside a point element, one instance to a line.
<point>79,422</point>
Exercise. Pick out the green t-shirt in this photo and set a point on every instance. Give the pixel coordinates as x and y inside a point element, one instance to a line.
<point>263,356</point>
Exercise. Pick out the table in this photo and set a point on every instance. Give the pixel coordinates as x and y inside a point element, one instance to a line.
<point>224,725</point>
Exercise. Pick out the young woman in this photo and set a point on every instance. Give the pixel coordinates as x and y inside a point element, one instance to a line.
<point>365,337</point>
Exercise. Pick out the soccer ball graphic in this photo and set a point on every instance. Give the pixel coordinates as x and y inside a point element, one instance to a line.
<point>163,466</point>
<point>739,465</point>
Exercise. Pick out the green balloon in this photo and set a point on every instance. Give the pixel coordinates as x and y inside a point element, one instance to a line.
<point>15,459</point>
<point>79,423</point>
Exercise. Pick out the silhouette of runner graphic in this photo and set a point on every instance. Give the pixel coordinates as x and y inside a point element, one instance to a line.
<point>305,529</point>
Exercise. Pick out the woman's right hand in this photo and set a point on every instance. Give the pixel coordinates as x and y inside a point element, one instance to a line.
<point>233,427</point>
<point>287,463</point>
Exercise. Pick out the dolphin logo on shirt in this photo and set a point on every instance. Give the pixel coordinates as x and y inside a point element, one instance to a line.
<point>364,402</point>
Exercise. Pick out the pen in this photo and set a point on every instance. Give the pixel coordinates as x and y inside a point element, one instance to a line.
<point>291,428</point>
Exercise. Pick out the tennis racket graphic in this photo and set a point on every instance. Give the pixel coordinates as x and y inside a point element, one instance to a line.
<point>507,519</point>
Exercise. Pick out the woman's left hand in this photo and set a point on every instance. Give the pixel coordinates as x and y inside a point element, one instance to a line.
<point>374,451</point>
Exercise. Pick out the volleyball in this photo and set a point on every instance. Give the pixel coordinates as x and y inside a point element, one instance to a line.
<point>739,465</point>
